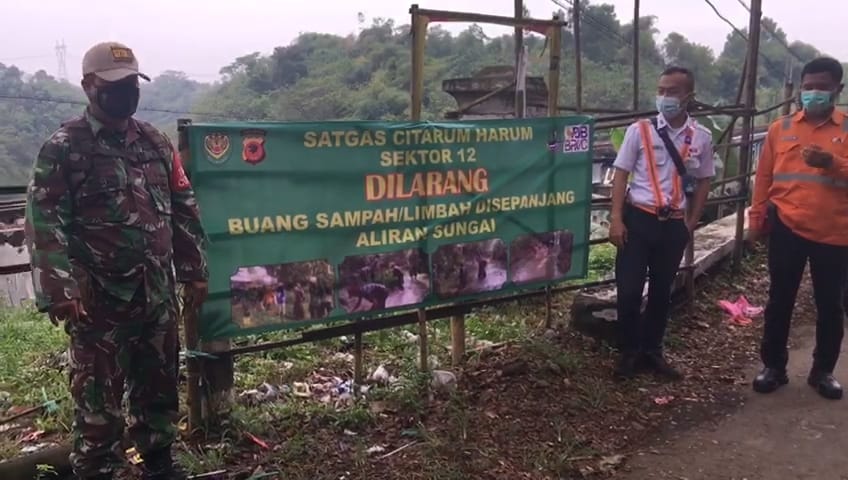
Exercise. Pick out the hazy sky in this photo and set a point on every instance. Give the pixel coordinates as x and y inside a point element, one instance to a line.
<point>200,36</point>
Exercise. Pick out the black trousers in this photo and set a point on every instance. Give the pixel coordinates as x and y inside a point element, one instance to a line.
<point>788,254</point>
<point>653,249</point>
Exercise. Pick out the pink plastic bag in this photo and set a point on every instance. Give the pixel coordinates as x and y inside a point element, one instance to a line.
<point>740,311</point>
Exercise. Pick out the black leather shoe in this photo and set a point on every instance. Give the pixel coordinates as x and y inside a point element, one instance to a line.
<point>825,384</point>
<point>626,367</point>
<point>659,365</point>
<point>769,380</point>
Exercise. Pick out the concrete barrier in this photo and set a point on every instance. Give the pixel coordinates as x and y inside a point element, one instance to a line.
<point>593,311</point>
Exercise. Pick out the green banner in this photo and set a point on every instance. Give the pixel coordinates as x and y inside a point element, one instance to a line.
<point>316,222</point>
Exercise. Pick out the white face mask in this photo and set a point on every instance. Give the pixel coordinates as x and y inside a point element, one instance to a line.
<point>668,106</point>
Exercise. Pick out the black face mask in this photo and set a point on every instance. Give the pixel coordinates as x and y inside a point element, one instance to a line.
<point>118,100</point>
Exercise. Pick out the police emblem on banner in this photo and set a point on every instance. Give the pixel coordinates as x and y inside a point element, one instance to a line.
<point>253,146</point>
<point>217,146</point>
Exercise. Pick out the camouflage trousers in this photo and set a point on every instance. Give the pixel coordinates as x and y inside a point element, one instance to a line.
<point>122,344</point>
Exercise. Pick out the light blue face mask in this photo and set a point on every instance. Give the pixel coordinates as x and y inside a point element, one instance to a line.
<point>817,101</point>
<point>668,106</point>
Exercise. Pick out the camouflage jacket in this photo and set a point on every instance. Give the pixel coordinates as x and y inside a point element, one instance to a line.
<point>112,208</point>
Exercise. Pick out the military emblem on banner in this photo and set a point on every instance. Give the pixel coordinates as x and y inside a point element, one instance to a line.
<point>253,142</point>
<point>217,146</point>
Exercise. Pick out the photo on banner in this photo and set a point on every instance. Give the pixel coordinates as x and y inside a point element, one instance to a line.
<point>384,280</point>
<point>537,257</point>
<point>468,268</point>
<point>274,294</point>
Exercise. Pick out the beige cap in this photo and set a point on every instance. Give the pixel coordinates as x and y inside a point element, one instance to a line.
<point>111,61</point>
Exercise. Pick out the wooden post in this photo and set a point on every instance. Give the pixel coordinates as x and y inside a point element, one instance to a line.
<point>190,322</point>
<point>635,55</point>
<point>578,57</point>
<point>788,93</point>
<point>553,71</point>
<point>457,339</point>
<point>747,125</point>
<point>419,37</point>
<point>424,364</point>
<point>519,57</point>
<point>357,358</point>
<point>218,375</point>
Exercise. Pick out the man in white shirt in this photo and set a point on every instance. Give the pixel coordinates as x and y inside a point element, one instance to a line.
<point>657,200</point>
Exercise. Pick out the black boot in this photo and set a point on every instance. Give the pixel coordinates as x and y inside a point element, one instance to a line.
<point>627,366</point>
<point>769,380</point>
<point>159,465</point>
<point>657,362</point>
<point>825,384</point>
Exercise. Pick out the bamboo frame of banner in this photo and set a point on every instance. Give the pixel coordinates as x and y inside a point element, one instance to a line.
<point>198,362</point>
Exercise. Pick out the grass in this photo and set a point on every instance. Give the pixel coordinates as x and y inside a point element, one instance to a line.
<point>30,371</point>
<point>31,349</point>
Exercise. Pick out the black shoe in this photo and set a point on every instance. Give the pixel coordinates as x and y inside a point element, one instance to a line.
<point>659,365</point>
<point>627,365</point>
<point>825,384</point>
<point>769,380</point>
<point>160,466</point>
<point>100,476</point>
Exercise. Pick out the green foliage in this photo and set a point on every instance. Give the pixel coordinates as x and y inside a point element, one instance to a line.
<point>31,355</point>
<point>25,123</point>
<point>601,260</point>
<point>617,138</point>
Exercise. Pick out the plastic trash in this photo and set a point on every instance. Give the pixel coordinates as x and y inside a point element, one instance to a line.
<point>376,449</point>
<point>740,311</point>
<point>443,381</point>
<point>380,375</point>
<point>300,389</point>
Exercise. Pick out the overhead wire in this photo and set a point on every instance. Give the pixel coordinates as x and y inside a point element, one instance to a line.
<point>594,21</point>
<point>766,59</point>
<point>26,98</point>
<point>774,35</point>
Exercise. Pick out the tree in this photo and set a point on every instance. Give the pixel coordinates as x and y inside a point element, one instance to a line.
<point>367,75</point>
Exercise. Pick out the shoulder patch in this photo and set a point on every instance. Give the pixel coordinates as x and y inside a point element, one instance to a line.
<point>179,179</point>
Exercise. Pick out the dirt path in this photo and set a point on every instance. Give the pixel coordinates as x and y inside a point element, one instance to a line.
<point>790,434</point>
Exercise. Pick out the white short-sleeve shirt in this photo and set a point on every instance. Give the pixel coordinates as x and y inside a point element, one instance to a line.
<point>631,158</point>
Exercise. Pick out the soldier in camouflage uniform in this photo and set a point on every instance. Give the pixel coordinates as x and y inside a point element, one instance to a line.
<point>112,225</point>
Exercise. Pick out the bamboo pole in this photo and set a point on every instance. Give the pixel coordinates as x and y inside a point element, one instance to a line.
<point>419,36</point>
<point>635,55</point>
<point>190,326</point>
<point>553,71</point>
<point>747,125</point>
<point>578,58</point>
<point>519,56</point>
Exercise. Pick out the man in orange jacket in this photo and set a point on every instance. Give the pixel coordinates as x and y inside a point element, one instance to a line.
<point>801,203</point>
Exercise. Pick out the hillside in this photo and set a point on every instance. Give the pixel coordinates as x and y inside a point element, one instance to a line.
<point>366,76</point>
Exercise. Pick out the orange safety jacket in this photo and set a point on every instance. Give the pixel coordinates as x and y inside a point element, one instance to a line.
<point>645,129</point>
<point>812,202</point>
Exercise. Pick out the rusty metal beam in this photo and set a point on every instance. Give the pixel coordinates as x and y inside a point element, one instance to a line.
<point>540,26</point>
